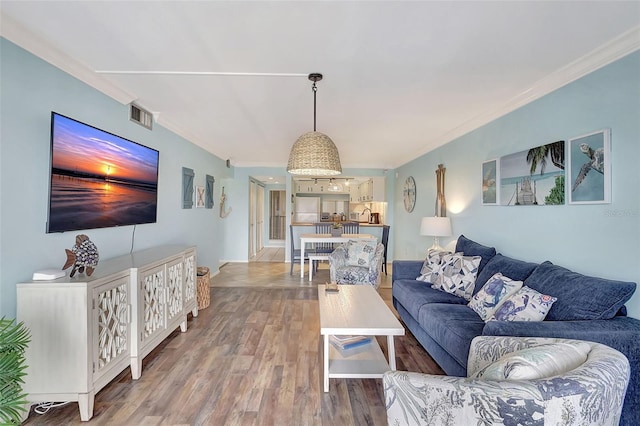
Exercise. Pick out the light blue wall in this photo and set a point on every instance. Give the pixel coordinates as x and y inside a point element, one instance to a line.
<point>31,89</point>
<point>601,240</point>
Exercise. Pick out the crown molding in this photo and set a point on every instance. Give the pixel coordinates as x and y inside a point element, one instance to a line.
<point>16,33</point>
<point>619,47</point>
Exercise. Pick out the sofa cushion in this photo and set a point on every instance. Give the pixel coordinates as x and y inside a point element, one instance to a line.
<point>524,305</point>
<point>457,275</point>
<point>412,294</point>
<point>493,294</point>
<point>471,248</point>
<point>515,269</point>
<point>452,327</point>
<point>537,362</point>
<point>580,297</point>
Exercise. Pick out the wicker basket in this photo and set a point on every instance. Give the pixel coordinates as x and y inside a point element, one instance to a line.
<point>204,290</point>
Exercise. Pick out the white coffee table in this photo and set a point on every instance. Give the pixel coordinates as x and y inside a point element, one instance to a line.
<point>356,310</point>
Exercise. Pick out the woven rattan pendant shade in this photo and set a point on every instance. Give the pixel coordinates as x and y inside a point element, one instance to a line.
<point>314,153</point>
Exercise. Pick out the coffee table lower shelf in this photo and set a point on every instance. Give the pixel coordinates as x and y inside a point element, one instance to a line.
<point>362,362</point>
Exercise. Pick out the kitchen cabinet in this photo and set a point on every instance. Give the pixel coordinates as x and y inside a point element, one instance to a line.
<point>372,190</point>
<point>86,330</point>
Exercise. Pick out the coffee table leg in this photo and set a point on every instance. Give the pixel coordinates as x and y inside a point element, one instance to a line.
<point>326,363</point>
<point>392,352</point>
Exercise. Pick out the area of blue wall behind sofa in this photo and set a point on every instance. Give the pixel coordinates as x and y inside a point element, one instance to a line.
<point>601,240</point>
<point>31,89</point>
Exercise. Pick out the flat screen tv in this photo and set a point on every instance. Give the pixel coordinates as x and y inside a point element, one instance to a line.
<point>98,179</point>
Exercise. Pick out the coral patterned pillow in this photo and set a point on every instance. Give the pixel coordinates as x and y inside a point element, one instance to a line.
<point>494,292</point>
<point>525,305</point>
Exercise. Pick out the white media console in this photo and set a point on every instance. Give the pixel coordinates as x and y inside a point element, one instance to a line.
<point>87,330</point>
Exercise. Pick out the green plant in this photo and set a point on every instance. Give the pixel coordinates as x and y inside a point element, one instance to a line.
<point>337,225</point>
<point>556,195</point>
<point>13,342</point>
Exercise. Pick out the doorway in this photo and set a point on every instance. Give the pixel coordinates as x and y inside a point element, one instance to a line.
<point>277,215</point>
<point>256,217</point>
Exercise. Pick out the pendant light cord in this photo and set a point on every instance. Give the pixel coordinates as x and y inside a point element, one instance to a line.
<point>315,89</point>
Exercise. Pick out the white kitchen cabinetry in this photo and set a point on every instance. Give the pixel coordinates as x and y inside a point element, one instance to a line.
<point>86,330</point>
<point>372,190</point>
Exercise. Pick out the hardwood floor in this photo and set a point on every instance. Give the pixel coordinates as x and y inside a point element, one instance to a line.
<point>253,357</point>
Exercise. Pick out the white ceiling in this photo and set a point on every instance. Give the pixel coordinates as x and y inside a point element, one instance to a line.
<point>400,78</point>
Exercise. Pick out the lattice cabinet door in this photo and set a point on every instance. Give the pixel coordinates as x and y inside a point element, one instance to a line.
<point>111,325</point>
<point>190,283</point>
<point>152,288</point>
<point>175,276</point>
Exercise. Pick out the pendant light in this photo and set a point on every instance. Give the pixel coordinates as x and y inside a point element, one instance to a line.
<point>314,153</point>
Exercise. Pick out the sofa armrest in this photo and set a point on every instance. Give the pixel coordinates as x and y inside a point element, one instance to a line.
<point>406,269</point>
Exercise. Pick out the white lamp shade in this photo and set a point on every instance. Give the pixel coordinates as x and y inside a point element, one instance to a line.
<point>435,226</point>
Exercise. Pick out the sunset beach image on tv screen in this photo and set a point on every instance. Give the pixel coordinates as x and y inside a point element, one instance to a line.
<point>98,179</point>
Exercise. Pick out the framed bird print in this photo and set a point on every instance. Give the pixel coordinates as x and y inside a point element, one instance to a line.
<point>490,179</point>
<point>590,168</point>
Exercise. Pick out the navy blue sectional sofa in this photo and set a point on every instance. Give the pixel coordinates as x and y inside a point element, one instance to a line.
<point>588,308</point>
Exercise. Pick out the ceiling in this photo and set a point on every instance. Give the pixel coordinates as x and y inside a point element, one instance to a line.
<point>400,78</point>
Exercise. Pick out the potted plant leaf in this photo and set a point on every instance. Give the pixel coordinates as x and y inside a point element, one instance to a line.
<point>13,342</point>
<point>336,229</point>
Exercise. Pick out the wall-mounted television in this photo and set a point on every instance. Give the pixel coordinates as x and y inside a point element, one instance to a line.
<point>98,179</point>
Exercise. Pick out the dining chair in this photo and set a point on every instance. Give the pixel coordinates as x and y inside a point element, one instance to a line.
<point>295,252</point>
<point>323,228</point>
<point>351,228</point>
<point>385,241</point>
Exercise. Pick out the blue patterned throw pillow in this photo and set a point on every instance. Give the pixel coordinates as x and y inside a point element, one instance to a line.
<point>360,253</point>
<point>493,294</point>
<point>524,305</point>
<point>457,275</point>
<point>431,266</point>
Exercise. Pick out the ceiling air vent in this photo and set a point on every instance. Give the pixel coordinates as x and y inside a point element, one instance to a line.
<point>141,116</point>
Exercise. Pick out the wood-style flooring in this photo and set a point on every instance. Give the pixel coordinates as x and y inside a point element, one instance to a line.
<point>253,357</point>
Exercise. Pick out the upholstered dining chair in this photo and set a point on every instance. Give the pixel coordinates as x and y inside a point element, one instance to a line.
<point>516,380</point>
<point>295,252</point>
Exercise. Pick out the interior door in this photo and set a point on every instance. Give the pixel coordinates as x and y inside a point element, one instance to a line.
<point>252,219</point>
<point>259,218</point>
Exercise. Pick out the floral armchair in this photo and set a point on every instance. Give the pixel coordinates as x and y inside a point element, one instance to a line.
<point>354,270</point>
<point>591,393</point>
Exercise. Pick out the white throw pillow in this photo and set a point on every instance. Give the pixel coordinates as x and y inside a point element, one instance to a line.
<point>494,292</point>
<point>526,304</point>
<point>537,362</point>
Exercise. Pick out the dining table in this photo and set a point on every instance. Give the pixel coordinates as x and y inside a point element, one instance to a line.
<point>328,238</point>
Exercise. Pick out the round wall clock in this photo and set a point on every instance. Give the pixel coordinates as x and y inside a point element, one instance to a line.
<point>409,194</point>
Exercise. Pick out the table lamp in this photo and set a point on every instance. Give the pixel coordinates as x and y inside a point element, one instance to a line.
<point>435,227</point>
